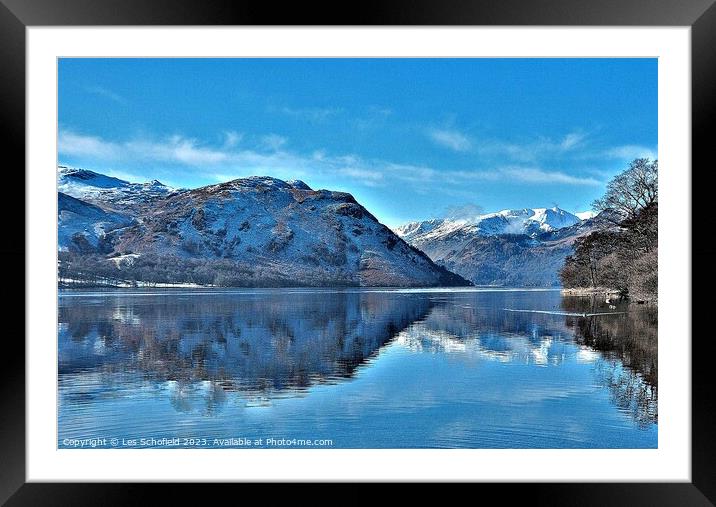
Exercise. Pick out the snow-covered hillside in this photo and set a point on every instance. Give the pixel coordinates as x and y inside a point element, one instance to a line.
<point>524,247</point>
<point>106,191</point>
<point>520,221</point>
<point>585,215</point>
<point>84,227</point>
<point>256,231</point>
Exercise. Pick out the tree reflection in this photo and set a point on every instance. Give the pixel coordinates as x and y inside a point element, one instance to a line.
<point>629,343</point>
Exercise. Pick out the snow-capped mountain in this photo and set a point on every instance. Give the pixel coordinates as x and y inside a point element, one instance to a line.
<point>256,231</point>
<point>585,215</point>
<point>520,221</point>
<point>108,191</point>
<point>524,247</point>
<point>83,226</point>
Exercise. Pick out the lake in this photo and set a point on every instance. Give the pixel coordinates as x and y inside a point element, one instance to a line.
<point>354,368</point>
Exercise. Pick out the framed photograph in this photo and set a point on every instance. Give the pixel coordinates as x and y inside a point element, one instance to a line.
<point>436,244</point>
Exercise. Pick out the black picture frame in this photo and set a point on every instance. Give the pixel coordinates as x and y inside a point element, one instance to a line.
<point>700,15</point>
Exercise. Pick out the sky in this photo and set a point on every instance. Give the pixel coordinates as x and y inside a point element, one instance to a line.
<point>411,139</point>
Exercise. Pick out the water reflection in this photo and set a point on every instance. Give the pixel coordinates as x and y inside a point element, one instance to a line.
<point>262,343</point>
<point>489,332</point>
<point>629,345</point>
<point>201,352</point>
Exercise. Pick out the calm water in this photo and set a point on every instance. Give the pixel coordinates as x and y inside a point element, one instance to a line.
<point>354,368</point>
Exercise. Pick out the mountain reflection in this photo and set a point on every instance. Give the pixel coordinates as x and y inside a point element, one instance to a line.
<point>270,344</point>
<point>489,333</point>
<point>622,347</point>
<point>261,343</point>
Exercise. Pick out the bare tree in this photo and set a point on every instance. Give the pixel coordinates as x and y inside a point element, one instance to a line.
<point>631,191</point>
<point>589,253</point>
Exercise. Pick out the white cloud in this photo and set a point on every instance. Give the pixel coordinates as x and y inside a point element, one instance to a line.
<point>467,211</point>
<point>374,117</point>
<point>630,152</point>
<point>512,151</point>
<point>108,94</point>
<point>364,174</point>
<point>574,145</point>
<point>572,140</point>
<point>232,138</point>
<point>273,141</point>
<point>451,139</point>
<point>70,143</point>
<point>230,162</point>
<point>540,176</point>
<point>417,174</point>
<point>176,149</point>
<point>536,149</point>
<point>318,155</point>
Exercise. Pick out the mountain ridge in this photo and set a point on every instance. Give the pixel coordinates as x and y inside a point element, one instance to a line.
<point>529,221</point>
<point>254,231</point>
<point>524,247</point>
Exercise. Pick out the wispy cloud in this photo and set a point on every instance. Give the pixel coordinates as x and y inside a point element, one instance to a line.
<point>269,157</point>
<point>630,152</point>
<point>572,140</point>
<point>273,141</point>
<point>266,157</point>
<point>106,93</point>
<point>467,211</point>
<point>375,117</point>
<point>575,146</point>
<point>364,174</point>
<point>449,138</point>
<point>535,149</point>
<point>177,149</point>
<point>232,138</point>
<point>540,176</point>
<point>69,143</point>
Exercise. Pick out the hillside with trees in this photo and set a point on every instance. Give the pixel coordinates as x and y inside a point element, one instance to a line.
<point>622,257</point>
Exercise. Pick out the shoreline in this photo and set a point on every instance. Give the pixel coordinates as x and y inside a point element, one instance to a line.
<point>590,291</point>
<point>609,293</point>
<point>67,291</point>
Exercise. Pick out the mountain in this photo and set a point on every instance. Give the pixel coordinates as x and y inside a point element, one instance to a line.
<point>519,248</point>
<point>256,231</point>
<point>585,215</point>
<point>109,192</point>
<point>83,227</point>
<point>522,221</point>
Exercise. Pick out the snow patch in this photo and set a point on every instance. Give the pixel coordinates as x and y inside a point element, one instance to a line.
<point>585,215</point>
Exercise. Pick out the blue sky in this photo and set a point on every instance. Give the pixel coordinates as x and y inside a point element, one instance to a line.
<point>409,138</point>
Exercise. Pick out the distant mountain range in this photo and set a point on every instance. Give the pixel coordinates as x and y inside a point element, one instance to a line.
<point>262,231</point>
<point>521,221</point>
<point>518,248</point>
<point>256,231</point>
